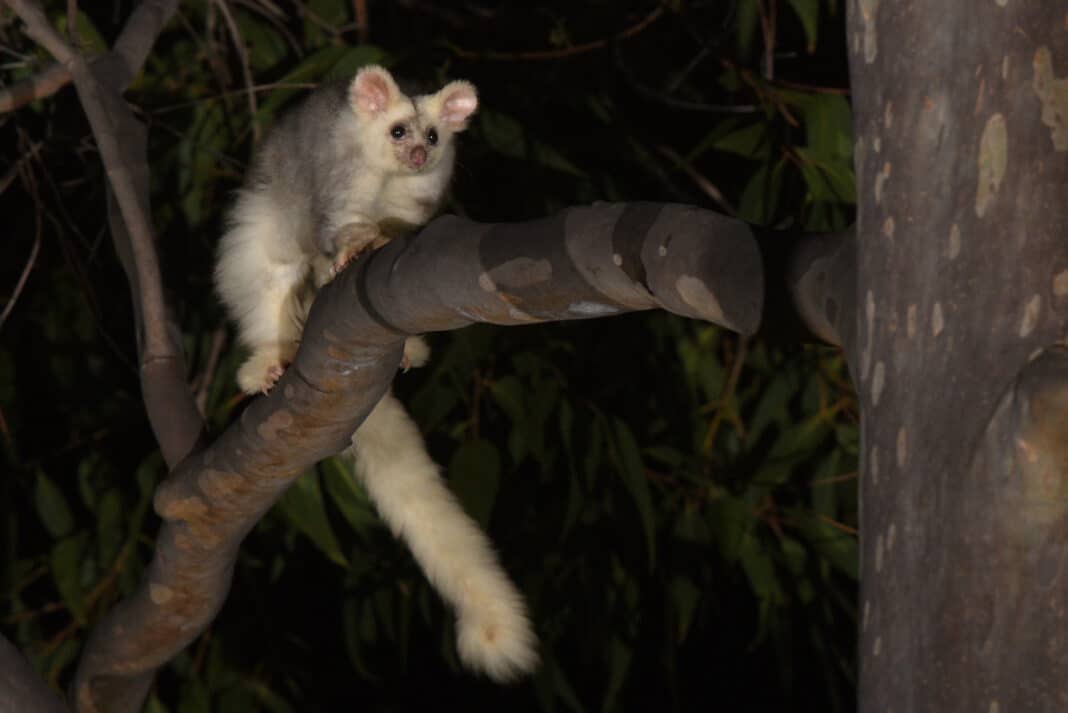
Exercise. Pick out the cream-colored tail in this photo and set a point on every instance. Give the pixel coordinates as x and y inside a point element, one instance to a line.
<point>493,631</point>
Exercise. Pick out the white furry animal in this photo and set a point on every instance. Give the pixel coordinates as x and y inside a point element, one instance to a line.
<point>344,171</point>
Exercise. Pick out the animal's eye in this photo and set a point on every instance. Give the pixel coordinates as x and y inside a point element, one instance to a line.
<point>398,131</point>
<point>432,137</point>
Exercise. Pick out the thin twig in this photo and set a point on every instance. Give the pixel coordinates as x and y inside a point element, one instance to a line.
<point>246,70</point>
<point>839,525</point>
<point>274,15</point>
<point>536,55</point>
<point>72,21</point>
<point>202,383</point>
<point>43,84</point>
<point>31,184</point>
<point>235,92</point>
<point>9,175</point>
<point>831,480</point>
<point>698,178</point>
<point>812,88</point>
<point>767,28</point>
<point>363,20</point>
<point>728,393</point>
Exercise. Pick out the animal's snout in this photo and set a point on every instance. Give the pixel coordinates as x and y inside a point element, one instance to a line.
<point>418,156</point>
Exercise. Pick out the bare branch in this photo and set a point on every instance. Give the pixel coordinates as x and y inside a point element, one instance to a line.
<point>21,689</point>
<point>140,33</point>
<point>580,264</point>
<point>43,84</point>
<point>363,20</point>
<point>171,408</point>
<point>246,69</point>
<point>700,180</point>
<point>40,30</point>
<point>32,259</point>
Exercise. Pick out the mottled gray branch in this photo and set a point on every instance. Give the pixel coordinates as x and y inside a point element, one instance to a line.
<point>822,279</point>
<point>21,689</point>
<point>580,264</point>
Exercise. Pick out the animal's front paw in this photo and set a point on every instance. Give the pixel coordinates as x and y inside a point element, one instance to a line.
<point>353,240</point>
<point>262,370</point>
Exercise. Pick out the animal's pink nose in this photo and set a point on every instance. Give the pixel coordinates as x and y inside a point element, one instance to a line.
<point>417,156</point>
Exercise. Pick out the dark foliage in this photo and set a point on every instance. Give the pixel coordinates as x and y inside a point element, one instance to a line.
<point>677,503</point>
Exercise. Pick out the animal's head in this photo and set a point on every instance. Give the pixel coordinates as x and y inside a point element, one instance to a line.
<point>408,134</point>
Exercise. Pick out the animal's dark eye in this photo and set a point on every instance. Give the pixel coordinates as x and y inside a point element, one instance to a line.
<point>398,131</point>
<point>432,137</point>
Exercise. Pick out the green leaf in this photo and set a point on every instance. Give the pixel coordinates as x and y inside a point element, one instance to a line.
<point>509,395</point>
<point>155,705</point>
<point>632,470</point>
<point>503,133</point>
<point>731,520</point>
<point>66,563</point>
<point>194,696</point>
<point>264,45</point>
<point>353,59</point>
<point>748,22</point>
<point>760,571</point>
<point>562,687</point>
<point>773,405</point>
<point>270,700</point>
<point>474,474</point>
<point>619,658</point>
<point>760,198</point>
<point>52,506</point>
<point>89,39</point>
<point>348,496</point>
<point>684,598</point>
<point>808,11</point>
<point>837,547</point>
<point>110,517</point>
<point>332,62</point>
<point>828,181</point>
<point>749,142</point>
<point>303,506</point>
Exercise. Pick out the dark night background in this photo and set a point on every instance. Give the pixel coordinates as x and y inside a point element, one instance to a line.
<point>676,502</point>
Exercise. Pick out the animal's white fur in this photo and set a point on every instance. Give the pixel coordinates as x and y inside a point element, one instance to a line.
<point>492,630</point>
<point>327,183</point>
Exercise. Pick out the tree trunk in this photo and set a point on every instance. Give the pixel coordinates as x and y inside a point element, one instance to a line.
<point>962,238</point>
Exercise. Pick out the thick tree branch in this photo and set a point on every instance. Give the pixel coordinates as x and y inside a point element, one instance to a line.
<point>21,689</point>
<point>582,263</point>
<point>822,279</point>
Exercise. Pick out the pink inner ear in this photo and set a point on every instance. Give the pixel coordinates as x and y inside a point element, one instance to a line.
<point>371,92</point>
<point>458,107</point>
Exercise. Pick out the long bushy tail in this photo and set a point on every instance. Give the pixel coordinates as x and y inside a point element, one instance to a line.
<point>493,631</point>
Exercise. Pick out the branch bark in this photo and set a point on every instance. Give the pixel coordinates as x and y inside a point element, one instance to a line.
<point>21,689</point>
<point>582,263</point>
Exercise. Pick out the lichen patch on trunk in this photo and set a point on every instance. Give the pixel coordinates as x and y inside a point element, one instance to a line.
<point>1053,93</point>
<point>993,158</point>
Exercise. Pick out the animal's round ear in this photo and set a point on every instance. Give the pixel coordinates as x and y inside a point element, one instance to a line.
<point>459,100</point>
<point>373,90</point>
